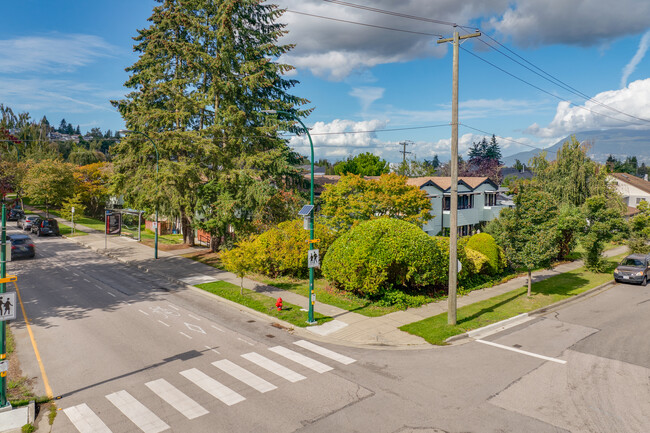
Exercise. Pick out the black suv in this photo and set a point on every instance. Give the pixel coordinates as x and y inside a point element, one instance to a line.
<point>15,214</point>
<point>633,269</point>
<point>45,226</point>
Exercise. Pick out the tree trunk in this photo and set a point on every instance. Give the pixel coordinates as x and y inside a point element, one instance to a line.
<point>215,243</point>
<point>241,286</point>
<point>188,232</point>
<point>530,281</point>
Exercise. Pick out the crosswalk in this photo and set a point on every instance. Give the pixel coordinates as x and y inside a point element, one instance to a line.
<point>87,421</point>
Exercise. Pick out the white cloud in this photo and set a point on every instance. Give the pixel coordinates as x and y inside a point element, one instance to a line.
<point>54,54</point>
<point>634,62</point>
<point>633,100</point>
<point>334,49</point>
<point>367,95</point>
<point>46,95</point>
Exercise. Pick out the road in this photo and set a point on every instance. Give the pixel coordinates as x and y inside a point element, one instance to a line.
<point>128,352</point>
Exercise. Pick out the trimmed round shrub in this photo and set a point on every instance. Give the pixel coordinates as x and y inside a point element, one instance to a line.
<point>282,250</point>
<point>486,245</point>
<point>383,254</point>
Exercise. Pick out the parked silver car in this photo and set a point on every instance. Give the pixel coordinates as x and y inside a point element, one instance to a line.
<point>26,222</point>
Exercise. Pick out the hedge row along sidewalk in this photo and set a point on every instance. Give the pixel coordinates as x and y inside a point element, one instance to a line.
<point>435,330</point>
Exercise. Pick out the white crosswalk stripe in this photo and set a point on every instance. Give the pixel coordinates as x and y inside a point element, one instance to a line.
<point>324,352</point>
<point>213,387</point>
<point>85,419</point>
<point>138,413</point>
<point>301,359</point>
<point>177,399</point>
<point>273,367</point>
<point>244,375</point>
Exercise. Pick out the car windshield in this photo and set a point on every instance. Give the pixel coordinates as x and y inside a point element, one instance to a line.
<point>632,262</point>
<point>32,218</point>
<point>21,241</point>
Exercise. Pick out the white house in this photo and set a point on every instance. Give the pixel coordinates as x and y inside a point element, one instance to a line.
<point>477,201</point>
<point>633,189</point>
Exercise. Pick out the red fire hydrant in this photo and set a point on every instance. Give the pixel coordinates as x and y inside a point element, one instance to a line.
<point>279,304</point>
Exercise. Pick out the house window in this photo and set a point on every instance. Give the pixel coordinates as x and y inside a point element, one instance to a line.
<point>490,199</point>
<point>639,200</point>
<point>465,201</point>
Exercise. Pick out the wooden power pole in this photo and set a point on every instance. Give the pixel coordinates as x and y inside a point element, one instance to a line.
<point>453,208</point>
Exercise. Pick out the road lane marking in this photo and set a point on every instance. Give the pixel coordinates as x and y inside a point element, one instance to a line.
<point>85,419</point>
<point>247,342</point>
<point>214,350</point>
<point>99,287</point>
<point>218,329</point>
<point>173,306</point>
<point>46,383</point>
<point>177,399</point>
<point>75,274</point>
<point>195,328</point>
<point>325,352</point>
<point>194,317</point>
<point>212,387</point>
<point>301,359</point>
<point>164,323</point>
<point>111,294</point>
<point>523,352</point>
<point>144,312</point>
<point>182,333</point>
<point>137,412</point>
<point>88,281</point>
<point>244,375</point>
<point>273,367</point>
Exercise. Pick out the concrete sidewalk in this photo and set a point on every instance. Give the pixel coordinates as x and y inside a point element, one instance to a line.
<point>347,328</point>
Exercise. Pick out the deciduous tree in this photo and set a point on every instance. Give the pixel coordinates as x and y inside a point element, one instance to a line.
<point>49,182</point>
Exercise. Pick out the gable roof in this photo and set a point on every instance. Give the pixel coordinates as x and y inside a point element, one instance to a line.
<point>630,179</point>
<point>444,183</point>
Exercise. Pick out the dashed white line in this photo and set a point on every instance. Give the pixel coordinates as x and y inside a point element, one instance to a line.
<point>143,312</point>
<point>218,329</point>
<point>194,317</point>
<point>214,350</point>
<point>164,323</point>
<point>523,352</point>
<point>247,342</point>
<point>182,333</point>
<point>75,274</point>
<point>88,281</point>
<point>99,287</point>
<point>114,296</point>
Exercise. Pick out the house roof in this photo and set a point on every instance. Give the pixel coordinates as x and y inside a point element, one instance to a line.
<point>630,179</point>
<point>631,211</point>
<point>444,183</point>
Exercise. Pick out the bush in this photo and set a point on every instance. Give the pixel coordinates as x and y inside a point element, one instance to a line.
<point>382,255</point>
<point>282,250</point>
<point>486,245</point>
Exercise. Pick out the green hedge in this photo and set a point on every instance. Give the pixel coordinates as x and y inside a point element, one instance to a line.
<point>282,250</point>
<point>486,245</point>
<point>380,255</point>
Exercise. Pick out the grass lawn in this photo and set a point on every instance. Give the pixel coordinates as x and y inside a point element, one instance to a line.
<point>67,231</point>
<point>436,330</point>
<point>262,303</point>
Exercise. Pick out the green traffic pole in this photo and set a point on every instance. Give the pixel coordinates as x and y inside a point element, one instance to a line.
<point>3,289</point>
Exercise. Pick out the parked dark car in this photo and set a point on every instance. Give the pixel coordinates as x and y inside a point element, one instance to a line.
<point>45,226</point>
<point>633,269</point>
<point>26,221</point>
<point>15,214</point>
<point>22,246</point>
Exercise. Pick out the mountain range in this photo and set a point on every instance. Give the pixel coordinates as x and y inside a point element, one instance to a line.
<point>620,143</point>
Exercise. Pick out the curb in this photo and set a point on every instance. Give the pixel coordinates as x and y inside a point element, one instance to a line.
<point>521,318</point>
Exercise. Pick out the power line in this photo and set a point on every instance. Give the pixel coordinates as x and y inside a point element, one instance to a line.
<point>552,79</point>
<point>363,24</point>
<point>546,91</point>
<point>506,139</point>
<point>387,12</point>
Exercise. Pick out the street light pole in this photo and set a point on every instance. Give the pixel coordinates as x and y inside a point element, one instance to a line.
<point>155,245</point>
<point>310,317</point>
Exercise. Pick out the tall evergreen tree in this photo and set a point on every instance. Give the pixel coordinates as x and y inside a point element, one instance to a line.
<point>206,69</point>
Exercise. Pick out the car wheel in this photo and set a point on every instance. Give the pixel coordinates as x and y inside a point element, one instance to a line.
<point>645,281</point>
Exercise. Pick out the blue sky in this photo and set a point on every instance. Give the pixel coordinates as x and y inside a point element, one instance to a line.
<point>66,59</point>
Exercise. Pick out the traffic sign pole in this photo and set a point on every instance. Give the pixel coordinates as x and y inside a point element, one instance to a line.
<point>3,324</point>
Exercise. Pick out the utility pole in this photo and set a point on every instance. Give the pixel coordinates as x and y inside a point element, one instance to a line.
<point>453,207</point>
<point>403,151</point>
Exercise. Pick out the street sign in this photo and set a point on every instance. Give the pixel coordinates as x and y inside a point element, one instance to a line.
<point>312,241</point>
<point>7,306</point>
<point>313,259</point>
<point>72,209</point>
<point>4,366</point>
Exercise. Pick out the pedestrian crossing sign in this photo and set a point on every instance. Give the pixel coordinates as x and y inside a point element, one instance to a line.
<point>7,306</point>
<point>313,259</point>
